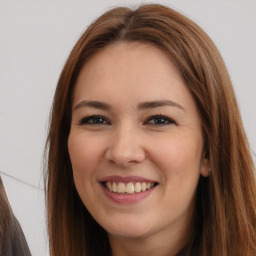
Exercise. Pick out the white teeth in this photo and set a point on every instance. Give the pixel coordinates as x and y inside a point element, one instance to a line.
<point>121,187</point>
<point>129,188</point>
<point>109,186</point>
<point>144,186</point>
<point>137,187</point>
<point>114,187</point>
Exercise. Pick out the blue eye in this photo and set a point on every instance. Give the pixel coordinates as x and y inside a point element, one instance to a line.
<point>94,120</point>
<point>159,120</point>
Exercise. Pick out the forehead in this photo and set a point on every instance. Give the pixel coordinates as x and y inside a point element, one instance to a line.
<point>130,65</point>
<point>123,53</point>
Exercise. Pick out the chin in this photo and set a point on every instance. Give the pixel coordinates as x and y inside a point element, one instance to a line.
<point>128,229</point>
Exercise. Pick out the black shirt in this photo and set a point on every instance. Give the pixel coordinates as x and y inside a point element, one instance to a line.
<point>12,239</point>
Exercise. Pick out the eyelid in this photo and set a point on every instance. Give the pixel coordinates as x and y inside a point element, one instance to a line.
<point>170,120</point>
<point>84,120</point>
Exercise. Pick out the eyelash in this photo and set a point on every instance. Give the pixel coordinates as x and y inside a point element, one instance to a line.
<point>101,120</point>
<point>165,119</point>
<point>90,120</point>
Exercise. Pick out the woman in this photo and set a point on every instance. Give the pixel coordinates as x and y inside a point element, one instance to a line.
<point>147,154</point>
<point>12,239</point>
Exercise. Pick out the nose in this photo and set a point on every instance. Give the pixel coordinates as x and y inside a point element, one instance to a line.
<point>125,148</point>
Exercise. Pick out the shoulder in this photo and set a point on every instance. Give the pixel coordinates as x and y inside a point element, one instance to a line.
<point>12,239</point>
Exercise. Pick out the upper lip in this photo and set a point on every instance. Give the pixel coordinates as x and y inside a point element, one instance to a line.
<point>127,179</point>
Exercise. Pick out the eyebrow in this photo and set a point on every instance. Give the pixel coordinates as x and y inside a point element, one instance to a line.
<point>93,104</point>
<point>141,106</point>
<point>159,103</point>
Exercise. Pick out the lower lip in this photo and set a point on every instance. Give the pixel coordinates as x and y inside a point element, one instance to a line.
<point>127,198</point>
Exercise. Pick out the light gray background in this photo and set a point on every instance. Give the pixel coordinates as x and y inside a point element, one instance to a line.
<point>35,40</point>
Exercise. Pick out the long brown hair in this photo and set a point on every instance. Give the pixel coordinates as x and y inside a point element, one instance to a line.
<point>12,239</point>
<point>226,201</point>
<point>5,217</point>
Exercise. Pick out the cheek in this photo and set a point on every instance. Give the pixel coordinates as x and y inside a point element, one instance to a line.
<point>179,164</point>
<point>84,154</point>
<point>178,159</point>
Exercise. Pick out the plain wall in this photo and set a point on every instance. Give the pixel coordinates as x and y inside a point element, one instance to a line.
<point>36,38</point>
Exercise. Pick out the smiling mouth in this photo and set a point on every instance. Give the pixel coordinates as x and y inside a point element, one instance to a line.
<point>128,188</point>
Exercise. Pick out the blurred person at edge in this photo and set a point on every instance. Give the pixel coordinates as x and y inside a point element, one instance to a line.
<point>146,149</point>
<point>12,239</point>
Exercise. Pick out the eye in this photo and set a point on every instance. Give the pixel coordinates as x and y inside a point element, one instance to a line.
<point>94,120</point>
<point>160,120</point>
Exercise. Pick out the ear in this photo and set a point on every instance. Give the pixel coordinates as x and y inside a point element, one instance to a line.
<point>204,167</point>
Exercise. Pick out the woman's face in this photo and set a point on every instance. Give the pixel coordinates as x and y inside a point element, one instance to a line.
<point>136,143</point>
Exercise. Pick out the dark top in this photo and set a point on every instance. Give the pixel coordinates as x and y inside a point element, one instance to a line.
<point>12,239</point>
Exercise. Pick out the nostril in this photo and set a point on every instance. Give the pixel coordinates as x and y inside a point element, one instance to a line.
<point>125,150</point>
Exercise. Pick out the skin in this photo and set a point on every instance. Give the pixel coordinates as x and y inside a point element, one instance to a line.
<point>128,141</point>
